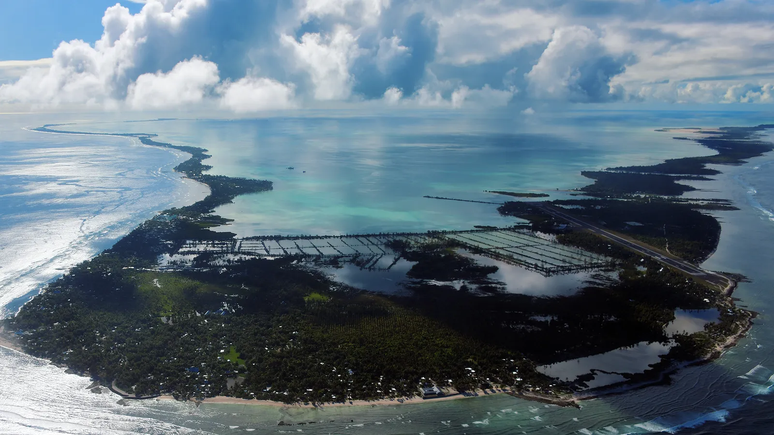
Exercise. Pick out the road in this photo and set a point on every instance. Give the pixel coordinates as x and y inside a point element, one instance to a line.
<point>691,269</point>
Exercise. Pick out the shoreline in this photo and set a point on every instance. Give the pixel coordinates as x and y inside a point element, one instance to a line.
<point>674,367</point>
<point>7,343</point>
<point>560,400</point>
<point>134,139</point>
<point>564,400</point>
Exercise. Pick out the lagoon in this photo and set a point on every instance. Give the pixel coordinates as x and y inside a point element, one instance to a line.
<point>340,148</point>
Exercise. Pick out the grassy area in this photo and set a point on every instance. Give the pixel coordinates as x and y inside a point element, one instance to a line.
<point>316,297</point>
<point>233,356</point>
<point>171,292</point>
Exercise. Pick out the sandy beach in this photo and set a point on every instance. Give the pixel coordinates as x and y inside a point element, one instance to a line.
<point>225,400</point>
<point>7,341</point>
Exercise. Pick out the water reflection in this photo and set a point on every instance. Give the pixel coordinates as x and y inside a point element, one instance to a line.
<point>690,321</point>
<point>518,280</point>
<point>386,275</point>
<point>389,274</point>
<point>608,368</point>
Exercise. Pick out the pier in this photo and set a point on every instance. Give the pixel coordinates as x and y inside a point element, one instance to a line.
<point>514,246</point>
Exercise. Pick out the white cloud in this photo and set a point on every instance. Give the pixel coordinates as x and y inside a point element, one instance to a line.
<point>327,60</point>
<point>389,54</point>
<point>486,31</point>
<point>74,76</point>
<point>100,74</point>
<point>364,10</point>
<point>187,83</point>
<point>12,70</point>
<point>392,96</point>
<point>750,93</point>
<point>486,97</point>
<point>424,97</point>
<point>444,54</point>
<point>528,111</point>
<point>460,97</point>
<point>253,94</point>
<point>575,67</point>
<point>689,51</point>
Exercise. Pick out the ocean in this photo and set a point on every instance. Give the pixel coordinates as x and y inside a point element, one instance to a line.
<point>65,198</point>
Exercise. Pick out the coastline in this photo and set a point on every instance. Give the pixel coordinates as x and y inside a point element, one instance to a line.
<point>662,376</point>
<point>563,400</point>
<point>227,400</point>
<point>8,343</point>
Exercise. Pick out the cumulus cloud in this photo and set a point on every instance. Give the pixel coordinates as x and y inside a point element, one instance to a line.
<point>12,70</point>
<point>575,67</point>
<point>484,31</point>
<point>76,75</point>
<point>749,93</point>
<point>186,84</point>
<point>327,60</point>
<point>274,54</point>
<point>392,96</point>
<point>364,10</point>
<point>484,97</point>
<point>432,96</point>
<point>390,54</point>
<point>254,94</point>
<point>98,74</point>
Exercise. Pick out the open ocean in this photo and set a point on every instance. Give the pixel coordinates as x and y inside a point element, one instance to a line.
<point>65,198</point>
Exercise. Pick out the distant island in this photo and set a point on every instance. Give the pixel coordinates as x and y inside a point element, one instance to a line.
<point>146,320</point>
<point>519,194</point>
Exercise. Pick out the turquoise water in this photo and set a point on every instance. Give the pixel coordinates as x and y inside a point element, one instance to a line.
<point>370,173</point>
<point>363,175</point>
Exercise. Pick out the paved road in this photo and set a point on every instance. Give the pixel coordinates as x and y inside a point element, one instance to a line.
<point>722,281</point>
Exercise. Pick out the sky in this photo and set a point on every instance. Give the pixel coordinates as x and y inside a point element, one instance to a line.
<point>254,56</point>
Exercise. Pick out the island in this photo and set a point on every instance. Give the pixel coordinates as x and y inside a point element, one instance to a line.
<point>177,309</point>
<point>519,194</point>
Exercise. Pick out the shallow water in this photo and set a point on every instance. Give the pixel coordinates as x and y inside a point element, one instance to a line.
<point>65,198</point>
<point>736,388</point>
<point>365,175</point>
<point>690,321</point>
<point>388,275</point>
<point>607,368</point>
<point>518,280</point>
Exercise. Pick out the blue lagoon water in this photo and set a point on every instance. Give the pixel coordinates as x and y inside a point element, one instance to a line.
<point>362,175</point>
<point>75,195</point>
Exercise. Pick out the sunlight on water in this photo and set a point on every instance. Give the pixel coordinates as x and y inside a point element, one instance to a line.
<point>65,198</point>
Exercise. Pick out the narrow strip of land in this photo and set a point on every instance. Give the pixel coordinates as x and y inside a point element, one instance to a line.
<point>691,269</point>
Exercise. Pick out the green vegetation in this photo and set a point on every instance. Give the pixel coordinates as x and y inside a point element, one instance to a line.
<point>519,194</point>
<point>734,145</point>
<point>285,330</point>
<point>282,331</point>
<point>182,338</point>
<point>316,298</point>
<point>675,227</point>
<point>233,356</point>
<point>622,183</point>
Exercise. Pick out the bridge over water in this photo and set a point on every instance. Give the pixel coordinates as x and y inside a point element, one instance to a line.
<point>515,246</point>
